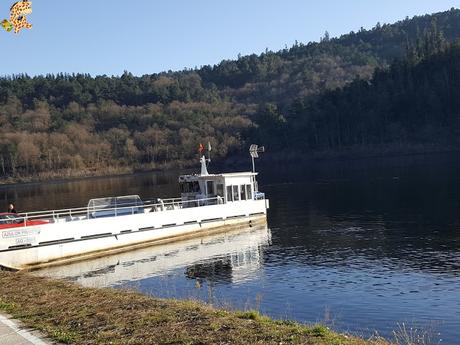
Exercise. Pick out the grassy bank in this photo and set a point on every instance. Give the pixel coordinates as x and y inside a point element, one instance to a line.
<point>76,315</point>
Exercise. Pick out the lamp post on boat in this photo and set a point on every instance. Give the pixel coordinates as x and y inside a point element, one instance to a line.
<point>254,151</point>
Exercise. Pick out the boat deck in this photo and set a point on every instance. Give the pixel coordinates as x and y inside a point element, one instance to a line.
<point>84,213</point>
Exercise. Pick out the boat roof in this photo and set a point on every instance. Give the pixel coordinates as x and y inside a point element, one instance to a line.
<point>245,173</point>
<point>235,174</point>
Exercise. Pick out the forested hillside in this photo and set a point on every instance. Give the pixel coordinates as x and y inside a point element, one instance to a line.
<point>414,102</point>
<point>291,98</point>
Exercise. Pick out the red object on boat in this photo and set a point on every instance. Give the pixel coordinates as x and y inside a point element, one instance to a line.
<point>13,220</point>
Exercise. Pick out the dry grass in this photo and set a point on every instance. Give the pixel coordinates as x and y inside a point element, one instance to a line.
<point>414,335</point>
<point>77,315</point>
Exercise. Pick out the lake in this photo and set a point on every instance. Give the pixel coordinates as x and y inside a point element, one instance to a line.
<point>362,246</point>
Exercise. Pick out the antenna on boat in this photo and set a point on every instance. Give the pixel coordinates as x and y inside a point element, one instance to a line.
<point>254,151</point>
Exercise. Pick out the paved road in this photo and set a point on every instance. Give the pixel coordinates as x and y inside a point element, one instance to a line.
<point>11,333</point>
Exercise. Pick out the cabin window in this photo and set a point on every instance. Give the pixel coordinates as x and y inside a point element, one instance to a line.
<point>220,189</point>
<point>210,187</point>
<point>236,195</point>
<point>189,187</point>
<point>242,192</point>
<point>229,194</point>
<point>248,192</point>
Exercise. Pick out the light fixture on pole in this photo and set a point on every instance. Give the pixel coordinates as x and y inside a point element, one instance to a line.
<point>254,151</point>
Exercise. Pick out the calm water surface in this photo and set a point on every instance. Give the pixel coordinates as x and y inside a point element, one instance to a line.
<point>360,246</point>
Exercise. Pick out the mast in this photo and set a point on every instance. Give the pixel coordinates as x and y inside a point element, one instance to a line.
<point>204,169</point>
<point>203,160</point>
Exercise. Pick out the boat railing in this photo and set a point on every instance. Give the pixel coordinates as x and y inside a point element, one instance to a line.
<point>81,213</point>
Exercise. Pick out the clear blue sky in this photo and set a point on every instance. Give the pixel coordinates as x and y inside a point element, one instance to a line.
<point>147,36</point>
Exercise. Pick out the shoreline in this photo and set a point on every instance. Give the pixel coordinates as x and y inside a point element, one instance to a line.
<point>71,314</point>
<point>237,161</point>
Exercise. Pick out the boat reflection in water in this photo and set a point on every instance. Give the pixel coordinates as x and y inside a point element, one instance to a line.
<point>241,251</point>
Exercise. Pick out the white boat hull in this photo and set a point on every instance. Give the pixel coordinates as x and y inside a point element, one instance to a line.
<point>65,240</point>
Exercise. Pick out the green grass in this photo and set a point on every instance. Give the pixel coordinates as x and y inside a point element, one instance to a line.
<point>72,314</point>
<point>63,336</point>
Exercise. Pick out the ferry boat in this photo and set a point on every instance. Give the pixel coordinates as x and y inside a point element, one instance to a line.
<point>209,203</point>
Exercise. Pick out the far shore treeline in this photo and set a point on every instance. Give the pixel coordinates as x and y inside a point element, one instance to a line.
<point>392,86</point>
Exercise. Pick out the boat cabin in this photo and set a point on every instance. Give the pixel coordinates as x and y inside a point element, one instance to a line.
<point>211,189</point>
